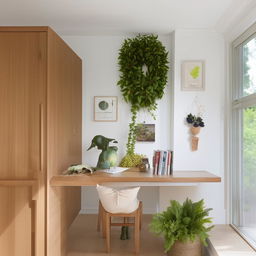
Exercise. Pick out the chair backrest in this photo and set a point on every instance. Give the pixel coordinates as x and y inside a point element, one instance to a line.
<point>118,200</point>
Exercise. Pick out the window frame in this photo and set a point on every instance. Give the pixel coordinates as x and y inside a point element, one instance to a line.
<point>238,104</point>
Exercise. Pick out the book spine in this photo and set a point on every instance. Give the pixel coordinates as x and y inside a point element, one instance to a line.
<point>164,162</point>
<point>168,162</point>
<point>160,166</point>
<point>171,169</point>
<point>154,162</point>
<point>157,156</point>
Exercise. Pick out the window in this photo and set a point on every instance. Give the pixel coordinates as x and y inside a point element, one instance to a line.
<point>243,166</point>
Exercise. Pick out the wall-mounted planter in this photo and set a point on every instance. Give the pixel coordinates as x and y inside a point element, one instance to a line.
<point>196,123</point>
<point>194,139</point>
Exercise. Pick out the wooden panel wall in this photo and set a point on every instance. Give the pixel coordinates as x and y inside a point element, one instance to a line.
<point>22,97</point>
<point>64,94</point>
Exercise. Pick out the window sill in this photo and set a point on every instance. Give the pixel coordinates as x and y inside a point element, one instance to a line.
<point>225,241</point>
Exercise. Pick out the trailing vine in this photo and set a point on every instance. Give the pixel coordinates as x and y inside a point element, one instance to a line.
<point>143,76</point>
<point>132,133</point>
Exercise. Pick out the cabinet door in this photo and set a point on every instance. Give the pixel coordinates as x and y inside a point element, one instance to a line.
<point>22,98</point>
<point>22,148</point>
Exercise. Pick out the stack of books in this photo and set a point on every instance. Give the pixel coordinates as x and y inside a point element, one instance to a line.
<point>163,162</point>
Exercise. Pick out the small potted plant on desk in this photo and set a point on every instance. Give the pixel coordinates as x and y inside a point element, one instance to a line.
<point>184,227</point>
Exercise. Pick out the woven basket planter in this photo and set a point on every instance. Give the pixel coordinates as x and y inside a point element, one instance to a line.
<point>195,130</point>
<point>186,249</point>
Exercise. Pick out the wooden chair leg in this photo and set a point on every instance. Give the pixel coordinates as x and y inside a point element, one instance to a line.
<point>99,217</point>
<point>140,215</point>
<point>107,226</point>
<point>137,232</point>
<point>103,223</point>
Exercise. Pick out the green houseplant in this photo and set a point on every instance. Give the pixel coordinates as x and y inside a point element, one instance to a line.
<point>183,225</point>
<point>143,76</point>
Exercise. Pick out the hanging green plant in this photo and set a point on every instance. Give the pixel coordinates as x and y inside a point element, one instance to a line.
<point>143,63</point>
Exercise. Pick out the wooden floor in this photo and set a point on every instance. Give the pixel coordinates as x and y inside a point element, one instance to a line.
<point>84,240</point>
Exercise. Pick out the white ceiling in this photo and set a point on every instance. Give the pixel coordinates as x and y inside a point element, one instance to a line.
<point>114,16</point>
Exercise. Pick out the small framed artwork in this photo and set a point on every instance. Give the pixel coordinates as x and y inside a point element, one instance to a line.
<point>145,132</point>
<point>192,75</point>
<point>105,108</point>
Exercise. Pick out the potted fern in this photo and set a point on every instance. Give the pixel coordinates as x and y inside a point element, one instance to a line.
<point>184,227</point>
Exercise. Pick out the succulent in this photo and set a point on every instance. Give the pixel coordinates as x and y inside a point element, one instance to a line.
<point>131,160</point>
<point>195,121</point>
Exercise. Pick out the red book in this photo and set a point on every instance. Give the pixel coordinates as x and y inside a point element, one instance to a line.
<point>154,163</point>
<point>168,163</point>
<point>157,161</point>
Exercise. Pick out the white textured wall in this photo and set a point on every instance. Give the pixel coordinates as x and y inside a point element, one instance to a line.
<point>100,76</point>
<point>208,46</point>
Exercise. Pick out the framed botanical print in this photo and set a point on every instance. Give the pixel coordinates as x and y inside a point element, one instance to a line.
<point>192,75</point>
<point>105,108</point>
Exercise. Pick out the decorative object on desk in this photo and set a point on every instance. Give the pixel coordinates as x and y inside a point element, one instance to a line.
<point>131,160</point>
<point>196,122</point>
<point>184,227</point>
<point>145,132</point>
<point>163,162</point>
<point>108,156</point>
<point>144,166</point>
<point>78,169</point>
<point>192,75</point>
<point>143,63</point>
<point>105,108</point>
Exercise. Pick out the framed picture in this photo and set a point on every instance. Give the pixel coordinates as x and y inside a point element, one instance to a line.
<point>145,132</point>
<point>192,75</point>
<point>105,108</point>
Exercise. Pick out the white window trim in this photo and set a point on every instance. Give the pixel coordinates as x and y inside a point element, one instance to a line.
<point>237,104</point>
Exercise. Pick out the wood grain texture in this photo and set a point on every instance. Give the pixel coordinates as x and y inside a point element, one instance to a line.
<point>17,183</point>
<point>22,90</point>
<point>15,221</point>
<point>132,176</point>
<point>85,240</point>
<point>40,109</point>
<point>64,95</point>
<point>24,29</point>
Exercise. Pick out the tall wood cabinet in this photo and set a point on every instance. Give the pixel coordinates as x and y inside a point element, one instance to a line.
<point>40,136</point>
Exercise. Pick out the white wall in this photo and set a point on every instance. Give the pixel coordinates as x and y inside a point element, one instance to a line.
<point>100,76</point>
<point>208,46</point>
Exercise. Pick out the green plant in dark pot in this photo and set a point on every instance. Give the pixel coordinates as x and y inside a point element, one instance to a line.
<point>143,63</point>
<point>184,227</point>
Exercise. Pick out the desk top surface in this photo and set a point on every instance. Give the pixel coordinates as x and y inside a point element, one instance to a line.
<point>133,175</point>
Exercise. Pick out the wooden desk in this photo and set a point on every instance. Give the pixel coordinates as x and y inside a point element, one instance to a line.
<point>132,175</point>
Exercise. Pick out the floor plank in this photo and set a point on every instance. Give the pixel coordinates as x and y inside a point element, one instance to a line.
<point>84,240</point>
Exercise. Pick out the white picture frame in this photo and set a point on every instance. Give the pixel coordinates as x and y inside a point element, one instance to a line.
<point>193,75</point>
<point>105,108</point>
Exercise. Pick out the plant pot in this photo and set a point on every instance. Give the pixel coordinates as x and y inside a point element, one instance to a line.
<point>195,130</point>
<point>186,249</point>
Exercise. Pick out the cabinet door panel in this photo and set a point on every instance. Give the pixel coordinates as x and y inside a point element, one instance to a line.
<point>16,221</point>
<point>22,90</point>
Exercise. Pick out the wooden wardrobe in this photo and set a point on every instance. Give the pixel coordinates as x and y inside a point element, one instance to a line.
<point>40,136</point>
